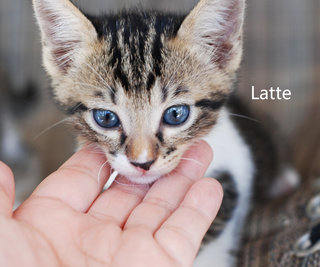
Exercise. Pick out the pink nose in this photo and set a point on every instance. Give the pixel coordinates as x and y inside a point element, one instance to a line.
<point>145,166</point>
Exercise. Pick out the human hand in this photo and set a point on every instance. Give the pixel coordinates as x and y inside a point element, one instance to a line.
<point>68,221</point>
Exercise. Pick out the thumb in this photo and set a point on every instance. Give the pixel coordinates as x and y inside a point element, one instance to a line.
<point>6,190</point>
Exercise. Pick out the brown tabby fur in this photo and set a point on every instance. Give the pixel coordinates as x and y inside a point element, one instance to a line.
<point>173,64</point>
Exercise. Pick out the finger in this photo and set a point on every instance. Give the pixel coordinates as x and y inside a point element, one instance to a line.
<point>6,190</point>
<point>118,201</point>
<point>167,193</point>
<point>76,182</point>
<point>182,233</point>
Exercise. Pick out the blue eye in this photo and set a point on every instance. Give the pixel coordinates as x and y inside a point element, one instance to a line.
<point>176,115</point>
<point>106,118</point>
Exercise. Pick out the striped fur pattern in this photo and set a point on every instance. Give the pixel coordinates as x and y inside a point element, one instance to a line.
<point>137,64</point>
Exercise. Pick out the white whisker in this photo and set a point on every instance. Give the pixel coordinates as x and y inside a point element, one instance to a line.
<point>50,127</point>
<point>244,117</point>
<point>193,160</point>
<point>129,185</point>
<point>100,170</point>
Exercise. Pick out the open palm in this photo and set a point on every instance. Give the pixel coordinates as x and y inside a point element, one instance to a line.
<point>68,221</point>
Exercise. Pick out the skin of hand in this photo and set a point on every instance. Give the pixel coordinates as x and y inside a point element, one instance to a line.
<point>67,221</point>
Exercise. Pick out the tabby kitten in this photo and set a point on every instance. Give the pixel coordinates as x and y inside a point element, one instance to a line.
<point>144,86</point>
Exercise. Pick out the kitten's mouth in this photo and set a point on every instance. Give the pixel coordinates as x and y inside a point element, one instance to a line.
<point>143,179</point>
<point>143,172</point>
<point>139,174</point>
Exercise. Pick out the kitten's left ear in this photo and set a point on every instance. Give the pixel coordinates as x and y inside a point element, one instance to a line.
<point>213,30</point>
<point>66,34</point>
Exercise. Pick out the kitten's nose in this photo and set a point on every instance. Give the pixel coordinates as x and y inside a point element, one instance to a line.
<point>146,165</point>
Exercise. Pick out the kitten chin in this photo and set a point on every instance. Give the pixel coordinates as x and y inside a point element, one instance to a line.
<point>145,179</point>
<point>137,176</point>
<point>159,168</point>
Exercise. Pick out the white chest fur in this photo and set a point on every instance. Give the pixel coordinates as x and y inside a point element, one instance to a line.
<point>231,154</point>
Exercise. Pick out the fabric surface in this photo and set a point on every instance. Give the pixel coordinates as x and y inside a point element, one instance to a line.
<point>273,230</point>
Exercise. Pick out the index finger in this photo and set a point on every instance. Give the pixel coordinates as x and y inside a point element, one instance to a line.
<point>167,193</point>
<point>78,181</point>
<point>180,236</point>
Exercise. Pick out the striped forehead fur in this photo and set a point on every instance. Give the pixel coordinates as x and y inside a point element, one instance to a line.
<point>135,50</point>
<point>136,40</point>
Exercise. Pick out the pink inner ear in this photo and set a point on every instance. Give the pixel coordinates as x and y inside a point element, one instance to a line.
<point>61,47</point>
<point>229,36</point>
<point>62,53</point>
<point>233,19</point>
<point>223,54</point>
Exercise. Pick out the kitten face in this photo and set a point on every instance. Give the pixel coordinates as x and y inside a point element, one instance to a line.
<point>142,135</point>
<point>156,82</point>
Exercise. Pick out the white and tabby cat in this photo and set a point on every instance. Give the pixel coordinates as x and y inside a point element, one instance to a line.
<point>145,85</point>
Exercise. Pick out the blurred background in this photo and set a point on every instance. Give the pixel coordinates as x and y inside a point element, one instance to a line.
<point>282,48</point>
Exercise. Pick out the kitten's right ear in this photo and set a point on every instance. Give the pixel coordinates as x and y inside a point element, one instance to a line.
<point>213,30</point>
<point>66,34</point>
